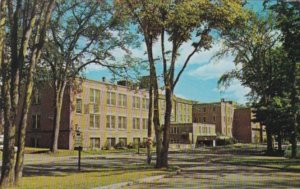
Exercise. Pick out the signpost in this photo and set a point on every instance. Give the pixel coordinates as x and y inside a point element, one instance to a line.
<point>78,146</point>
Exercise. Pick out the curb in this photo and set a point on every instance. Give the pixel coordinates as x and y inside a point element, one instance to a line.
<point>130,183</point>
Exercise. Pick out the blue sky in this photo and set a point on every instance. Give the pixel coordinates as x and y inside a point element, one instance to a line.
<point>199,81</point>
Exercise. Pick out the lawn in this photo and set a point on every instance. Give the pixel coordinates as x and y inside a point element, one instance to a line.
<point>62,153</point>
<point>85,180</point>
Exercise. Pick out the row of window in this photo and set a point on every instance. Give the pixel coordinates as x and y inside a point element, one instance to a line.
<point>213,109</point>
<point>206,130</point>
<point>95,122</point>
<point>95,142</point>
<point>111,100</point>
<point>122,122</point>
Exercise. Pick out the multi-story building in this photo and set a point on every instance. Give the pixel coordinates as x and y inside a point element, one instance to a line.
<point>104,113</point>
<point>218,113</point>
<point>244,129</point>
<point>193,133</point>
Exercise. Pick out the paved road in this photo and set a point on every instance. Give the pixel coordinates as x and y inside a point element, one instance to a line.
<point>205,170</point>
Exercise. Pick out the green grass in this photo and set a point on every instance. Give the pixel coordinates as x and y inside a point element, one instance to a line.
<point>280,163</point>
<point>85,180</point>
<point>61,153</point>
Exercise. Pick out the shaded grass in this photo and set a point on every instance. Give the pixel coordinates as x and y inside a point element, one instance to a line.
<point>62,153</point>
<point>85,180</point>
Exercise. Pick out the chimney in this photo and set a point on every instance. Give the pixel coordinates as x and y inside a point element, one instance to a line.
<point>222,100</point>
<point>103,79</point>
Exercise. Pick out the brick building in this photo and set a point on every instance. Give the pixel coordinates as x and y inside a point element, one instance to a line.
<point>244,129</point>
<point>218,113</point>
<point>105,114</point>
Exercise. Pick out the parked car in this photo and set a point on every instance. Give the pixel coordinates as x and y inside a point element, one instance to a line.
<point>288,151</point>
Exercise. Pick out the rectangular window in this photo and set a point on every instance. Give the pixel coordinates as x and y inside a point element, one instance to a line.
<point>111,98</point>
<point>214,109</point>
<point>136,141</point>
<point>123,142</point>
<point>111,142</point>
<point>36,121</point>
<point>136,123</point>
<point>214,118</point>
<point>122,122</point>
<point>36,97</point>
<point>136,102</point>
<point>122,100</point>
<point>110,121</point>
<point>94,121</point>
<point>145,104</point>
<point>204,109</point>
<point>204,119</point>
<point>79,105</point>
<point>94,143</point>
<point>94,96</point>
<point>145,123</point>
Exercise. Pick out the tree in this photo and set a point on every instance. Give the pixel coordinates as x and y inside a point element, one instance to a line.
<point>288,21</point>
<point>27,21</point>
<point>262,65</point>
<point>180,22</point>
<point>81,33</point>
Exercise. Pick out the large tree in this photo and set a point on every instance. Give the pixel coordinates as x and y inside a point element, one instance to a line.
<point>263,66</point>
<point>176,23</point>
<point>287,14</point>
<point>25,26</point>
<point>81,33</point>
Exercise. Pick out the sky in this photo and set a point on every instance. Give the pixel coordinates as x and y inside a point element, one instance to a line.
<point>199,81</point>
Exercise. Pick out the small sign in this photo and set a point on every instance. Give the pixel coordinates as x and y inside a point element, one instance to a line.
<point>78,139</point>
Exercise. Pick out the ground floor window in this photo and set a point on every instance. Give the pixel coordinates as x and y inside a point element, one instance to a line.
<point>136,141</point>
<point>35,142</point>
<point>94,142</point>
<point>111,142</point>
<point>123,142</point>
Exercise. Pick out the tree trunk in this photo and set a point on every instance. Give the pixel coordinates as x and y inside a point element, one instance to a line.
<point>57,115</point>
<point>294,103</point>
<point>24,116</point>
<point>149,133</point>
<point>166,129</point>
<point>269,140</point>
<point>7,169</point>
<point>279,142</point>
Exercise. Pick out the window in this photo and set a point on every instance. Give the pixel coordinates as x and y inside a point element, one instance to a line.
<point>136,102</point>
<point>94,142</point>
<point>94,121</point>
<point>136,123</point>
<point>145,123</point>
<point>35,142</point>
<point>111,98</point>
<point>122,122</point>
<point>78,105</point>
<point>110,121</point>
<point>145,104</point>
<point>111,142</point>
<point>214,118</point>
<point>36,97</point>
<point>94,96</point>
<point>36,121</point>
<point>136,141</point>
<point>204,119</point>
<point>214,109</point>
<point>122,100</point>
<point>204,109</point>
<point>123,142</point>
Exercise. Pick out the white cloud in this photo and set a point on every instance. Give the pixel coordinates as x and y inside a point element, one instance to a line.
<point>236,92</point>
<point>93,67</point>
<point>213,70</point>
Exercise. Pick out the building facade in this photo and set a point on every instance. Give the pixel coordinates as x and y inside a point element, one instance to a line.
<point>218,113</point>
<point>198,134</point>
<point>244,129</point>
<point>105,114</point>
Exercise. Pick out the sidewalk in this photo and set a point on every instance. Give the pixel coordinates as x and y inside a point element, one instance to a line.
<point>130,183</point>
